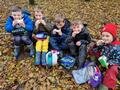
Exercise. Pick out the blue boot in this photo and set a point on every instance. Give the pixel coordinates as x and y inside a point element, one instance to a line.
<point>37,58</point>
<point>43,60</point>
<point>16,52</point>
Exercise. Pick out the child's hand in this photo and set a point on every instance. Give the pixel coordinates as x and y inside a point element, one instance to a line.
<point>78,43</point>
<point>33,35</point>
<point>100,42</point>
<point>59,32</point>
<point>15,22</point>
<point>74,34</point>
<point>37,23</point>
<point>21,23</point>
<point>43,22</point>
<point>54,31</point>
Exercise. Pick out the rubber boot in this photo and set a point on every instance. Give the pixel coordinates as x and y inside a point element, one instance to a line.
<point>43,60</point>
<point>37,58</point>
<point>82,56</point>
<point>31,50</point>
<point>16,52</point>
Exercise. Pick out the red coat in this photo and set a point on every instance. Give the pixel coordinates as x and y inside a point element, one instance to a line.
<point>110,78</point>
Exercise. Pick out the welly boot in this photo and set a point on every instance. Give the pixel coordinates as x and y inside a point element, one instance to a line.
<point>31,50</point>
<point>37,58</point>
<point>82,56</point>
<point>43,60</point>
<point>16,52</point>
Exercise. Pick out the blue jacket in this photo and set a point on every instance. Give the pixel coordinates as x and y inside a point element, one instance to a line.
<point>28,24</point>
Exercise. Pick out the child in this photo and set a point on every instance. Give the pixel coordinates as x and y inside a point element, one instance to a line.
<point>109,47</point>
<point>19,25</point>
<point>41,34</point>
<point>27,13</point>
<point>78,41</point>
<point>60,32</point>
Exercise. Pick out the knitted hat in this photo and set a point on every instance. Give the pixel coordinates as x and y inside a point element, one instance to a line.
<point>111,28</point>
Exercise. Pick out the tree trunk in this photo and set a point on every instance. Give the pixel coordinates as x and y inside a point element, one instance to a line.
<point>32,2</point>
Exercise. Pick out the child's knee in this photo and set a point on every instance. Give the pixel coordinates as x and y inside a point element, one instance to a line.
<point>26,40</point>
<point>45,45</point>
<point>45,48</point>
<point>38,48</point>
<point>17,42</point>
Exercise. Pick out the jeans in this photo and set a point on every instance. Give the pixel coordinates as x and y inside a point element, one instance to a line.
<point>57,43</point>
<point>25,39</point>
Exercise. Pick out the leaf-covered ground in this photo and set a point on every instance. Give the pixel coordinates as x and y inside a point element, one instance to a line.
<point>23,75</point>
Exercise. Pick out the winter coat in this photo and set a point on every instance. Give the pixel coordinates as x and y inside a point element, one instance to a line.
<point>112,52</point>
<point>42,28</point>
<point>84,36</point>
<point>110,78</point>
<point>28,24</point>
<point>65,31</point>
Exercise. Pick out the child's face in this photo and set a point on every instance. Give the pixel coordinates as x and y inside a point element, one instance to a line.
<point>77,28</point>
<point>107,37</point>
<point>60,24</point>
<point>38,15</point>
<point>17,15</point>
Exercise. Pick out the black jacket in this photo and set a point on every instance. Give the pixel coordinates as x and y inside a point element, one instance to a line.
<point>65,30</point>
<point>84,36</point>
<point>43,28</point>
